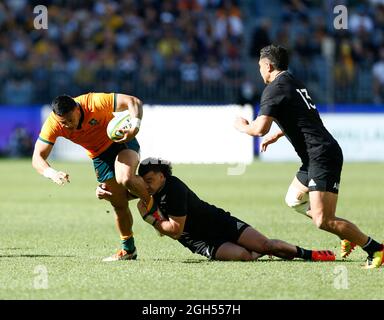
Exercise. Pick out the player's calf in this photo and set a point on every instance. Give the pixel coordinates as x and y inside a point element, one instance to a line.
<point>297,199</point>
<point>323,222</point>
<point>229,251</point>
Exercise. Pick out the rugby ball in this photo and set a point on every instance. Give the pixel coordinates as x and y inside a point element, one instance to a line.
<point>121,120</point>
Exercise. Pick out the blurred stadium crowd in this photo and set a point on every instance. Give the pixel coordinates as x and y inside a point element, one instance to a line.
<point>188,51</point>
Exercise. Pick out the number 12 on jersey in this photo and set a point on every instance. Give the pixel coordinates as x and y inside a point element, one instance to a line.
<point>307,99</point>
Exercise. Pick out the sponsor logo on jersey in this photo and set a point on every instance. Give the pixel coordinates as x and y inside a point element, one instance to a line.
<point>93,122</point>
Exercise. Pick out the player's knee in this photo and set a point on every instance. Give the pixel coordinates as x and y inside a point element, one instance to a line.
<point>266,247</point>
<point>127,180</point>
<point>321,222</point>
<point>297,200</point>
<point>120,207</point>
<point>245,255</point>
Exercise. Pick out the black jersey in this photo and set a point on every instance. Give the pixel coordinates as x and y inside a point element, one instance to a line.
<point>176,199</point>
<point>288,102</point>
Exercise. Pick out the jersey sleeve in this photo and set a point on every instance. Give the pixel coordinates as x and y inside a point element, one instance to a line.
<point>177,203</point>
<point>271,100</point>
<point>105,101</point>
<point>50,131</point>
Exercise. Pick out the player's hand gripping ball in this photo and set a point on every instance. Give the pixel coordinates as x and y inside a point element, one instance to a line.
<point>120,121</point>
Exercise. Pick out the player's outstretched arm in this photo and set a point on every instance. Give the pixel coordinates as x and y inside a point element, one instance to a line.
<point>40,154</point>
<point>269,140</point>
<point>135,108</point>
<point>259,127</point>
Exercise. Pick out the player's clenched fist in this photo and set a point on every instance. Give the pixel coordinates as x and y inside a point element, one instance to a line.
<point>102,192</point>
<point>142,208</point>
<point>58,177</point>
<point>151,213</point>
<point>241,123</point>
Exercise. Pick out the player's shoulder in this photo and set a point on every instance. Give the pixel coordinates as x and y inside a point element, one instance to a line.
<point>51,120</point>
<point>175,181</point>
<point>176,185</point>
<point>51,126</point>
<point>283,84</point>
<point>92,101</point>
<point>284,80</point>
<point>274,88</point>
<point>94,96</point>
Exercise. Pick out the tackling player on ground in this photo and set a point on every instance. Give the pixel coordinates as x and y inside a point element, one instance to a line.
<point>84,120</point>
<point>204,228</point>
<point>314,190</point>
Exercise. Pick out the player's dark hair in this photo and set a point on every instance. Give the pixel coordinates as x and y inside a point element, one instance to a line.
<point>277,55</point>
<point>61,105</point>
<point>155,165</point>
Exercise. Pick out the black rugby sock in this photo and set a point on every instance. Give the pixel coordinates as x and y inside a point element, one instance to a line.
<point>372,246</point>
<point>303,253</point>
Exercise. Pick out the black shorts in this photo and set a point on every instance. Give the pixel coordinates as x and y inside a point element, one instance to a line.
<point>225,229</point>
<point>323,174</point>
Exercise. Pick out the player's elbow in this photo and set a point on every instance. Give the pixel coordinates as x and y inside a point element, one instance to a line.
<point>135,101</point>
<point>176,234</point>
<point>36,158</point>
<point>261,126</point>
<point>138,101</point>
<point>258,132</point>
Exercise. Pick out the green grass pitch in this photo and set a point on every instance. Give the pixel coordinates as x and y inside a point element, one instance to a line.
<point>67,231</point>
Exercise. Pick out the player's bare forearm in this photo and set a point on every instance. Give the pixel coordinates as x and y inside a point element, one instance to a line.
<point>172,227</point>
<point>258,128</point>
<point>278,135</point>
<point>253,130</point>
<point>40,154</point>
<point>270,139</point>
<point>131,103</point>
<point>39,162</point>
<point>169,228</point>
<point>135,109</point>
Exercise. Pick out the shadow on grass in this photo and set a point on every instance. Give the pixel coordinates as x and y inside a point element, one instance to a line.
<point>196,261</point>
<point>262,260</point>
<point>190,261</point>
<point>306,261</point>
<point>34,256</point>
<point>12,248</point>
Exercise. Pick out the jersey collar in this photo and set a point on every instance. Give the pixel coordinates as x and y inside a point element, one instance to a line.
<point>280,73</point>
<point>81,117</point>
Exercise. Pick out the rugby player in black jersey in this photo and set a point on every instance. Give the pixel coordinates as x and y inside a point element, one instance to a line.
<point>314,189</point>
<point>204,228</point>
